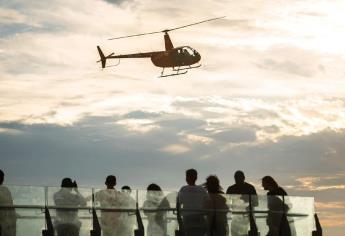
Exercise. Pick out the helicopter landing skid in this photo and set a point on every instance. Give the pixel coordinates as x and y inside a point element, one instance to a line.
<point>179,71</point>
<point>174,74</point>
<point>187,67</point>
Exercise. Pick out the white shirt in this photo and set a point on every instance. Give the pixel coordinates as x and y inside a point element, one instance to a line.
<point>112,199</point>
<point>65,197</point>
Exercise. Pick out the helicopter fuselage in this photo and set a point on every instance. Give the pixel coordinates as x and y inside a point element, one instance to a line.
<point>176,57</point>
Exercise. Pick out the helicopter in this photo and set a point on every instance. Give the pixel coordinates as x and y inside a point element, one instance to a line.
<point>180,59</point>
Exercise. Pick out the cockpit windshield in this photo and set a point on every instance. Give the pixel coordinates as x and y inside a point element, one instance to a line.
<point>188,51</point>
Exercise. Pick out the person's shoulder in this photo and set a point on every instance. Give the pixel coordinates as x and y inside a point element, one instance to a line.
<point>282,192</point>
<point>58,193</point>
<point>250,187</point>
<point>231,189</point>
<point>200,188</point>
<point>183,188</point>
<point>4,189</point>
<point>196,189</point>
<point>278,192</point>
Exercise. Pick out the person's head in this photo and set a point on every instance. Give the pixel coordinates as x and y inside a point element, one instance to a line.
<point>154,191</point>
<point>268,183</point>
<point>110,181</point>
<point>191,176</point>
<point>2,177</point>
<point>239,177</point>
<point>126,189</point>
<point>212,184</point>
<point>68,183</point>
<point>153,187</point>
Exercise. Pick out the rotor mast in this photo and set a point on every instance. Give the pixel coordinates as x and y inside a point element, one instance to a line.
<point>167,41</point>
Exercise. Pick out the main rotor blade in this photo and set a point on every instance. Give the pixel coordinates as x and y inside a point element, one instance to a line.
<point>134,35</point>
<point>166,30</point>
<point>194,23</point>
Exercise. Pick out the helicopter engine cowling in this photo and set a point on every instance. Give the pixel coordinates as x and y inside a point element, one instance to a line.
<point>177,57</point>
<point>162,60</point>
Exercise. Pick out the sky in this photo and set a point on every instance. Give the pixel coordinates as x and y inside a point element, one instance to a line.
<point>269,98</point>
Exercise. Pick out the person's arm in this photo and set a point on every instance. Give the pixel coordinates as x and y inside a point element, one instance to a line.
<point>81,199</point>
<point>255,200</point>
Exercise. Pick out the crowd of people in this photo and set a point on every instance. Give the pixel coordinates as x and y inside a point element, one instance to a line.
<point>203,208</point>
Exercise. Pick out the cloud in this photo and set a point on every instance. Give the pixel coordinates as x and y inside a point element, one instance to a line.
<point>138,125</point>
<point>11,16</point>
<point>192,138</point>
<point>175,149</point>
<point>331,220</point>
<point>323,183</point>
<point>10,131</point>
<point>115,1</point>
<point>329,205</point>
<point>236,135</point>
<point>286,66</point>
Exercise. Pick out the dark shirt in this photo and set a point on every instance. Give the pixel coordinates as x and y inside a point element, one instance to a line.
<point>244,188</point>
<point>277,191</point>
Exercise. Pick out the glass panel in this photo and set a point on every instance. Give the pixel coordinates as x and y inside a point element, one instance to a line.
<point>300,214</point>
<point>217,211</point>
<point>116,211</point>
<point>24,217</point>
<point>261,213</point>
<point>70,209</point>
<point>194,209</point>
<point>28,195</point>
<point>239,206</point>
<point>156,209</point>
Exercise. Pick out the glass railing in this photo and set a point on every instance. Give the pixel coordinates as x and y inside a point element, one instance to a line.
<point>29,211</point>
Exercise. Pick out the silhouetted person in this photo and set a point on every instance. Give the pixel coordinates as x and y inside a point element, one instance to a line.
<point>67,223</point>
<point>240,223</point>
<point>109,198</point>
<point>127,219</point>
<point>157,222</point>
<point>217,208</point>
<point>8,216</point>
<point>126,188</point>
<point>269,184</point>
<point>276,219</point>
<point>240,186</point>
<point>192,198</point>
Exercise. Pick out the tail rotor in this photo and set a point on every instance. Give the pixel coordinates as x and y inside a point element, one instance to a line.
<point>103,58</point>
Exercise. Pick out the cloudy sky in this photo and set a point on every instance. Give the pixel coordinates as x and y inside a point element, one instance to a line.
<point>268,99</point>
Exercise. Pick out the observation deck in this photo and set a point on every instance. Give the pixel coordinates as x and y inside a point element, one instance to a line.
<point>35,211</point>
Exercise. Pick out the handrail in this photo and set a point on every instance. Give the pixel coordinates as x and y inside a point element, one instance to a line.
<point>148,209</point>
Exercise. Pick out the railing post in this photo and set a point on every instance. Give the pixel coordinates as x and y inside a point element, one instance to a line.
<point>49,224</point>
<point>96,231</point>
<point>49,231</point>
<point>96,227</point>
<point>253,231</point>
<point>141,230</point>
<point>180,231</point>
<point>318,231</point>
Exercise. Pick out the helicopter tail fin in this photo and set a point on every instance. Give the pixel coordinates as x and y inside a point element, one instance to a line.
<point>103,58</point>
